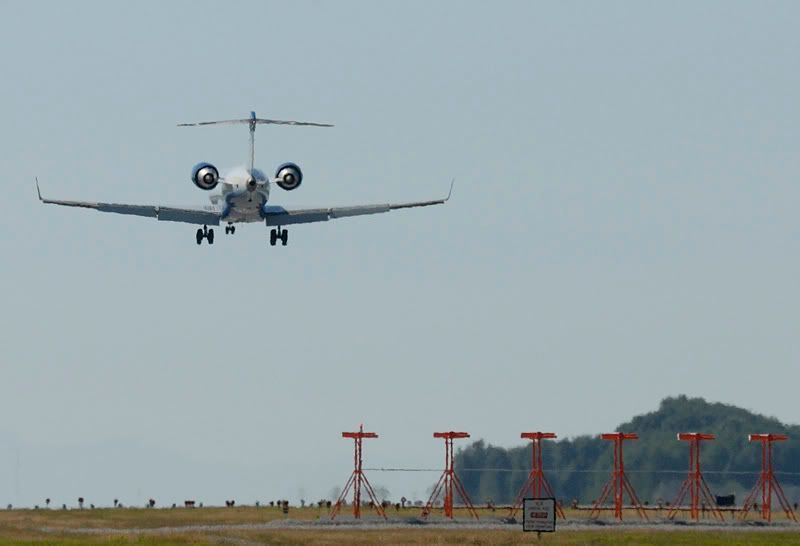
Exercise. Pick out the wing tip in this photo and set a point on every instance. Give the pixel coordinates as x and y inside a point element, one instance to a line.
<point>38,191</point>
<point>450,193</point>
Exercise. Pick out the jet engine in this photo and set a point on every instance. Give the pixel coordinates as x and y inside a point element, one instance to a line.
<point>289,176</point>
<point>205,176</point>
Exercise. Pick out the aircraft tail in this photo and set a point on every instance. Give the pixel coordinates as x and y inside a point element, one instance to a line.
<point>252,121</point>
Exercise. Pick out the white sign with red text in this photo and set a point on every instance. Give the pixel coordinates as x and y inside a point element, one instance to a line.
<point>539,515</point>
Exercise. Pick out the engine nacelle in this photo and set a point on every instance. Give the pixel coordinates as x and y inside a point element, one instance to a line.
<point>289,176</point>
<point>205,176</point>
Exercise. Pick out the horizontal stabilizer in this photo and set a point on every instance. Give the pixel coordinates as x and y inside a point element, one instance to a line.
<point>258,121</point>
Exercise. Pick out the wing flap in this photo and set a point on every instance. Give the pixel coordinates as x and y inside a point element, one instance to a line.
<point>188,216</point>
<point>135,210</point>
<point>279,216</point>
<point>361,210</point>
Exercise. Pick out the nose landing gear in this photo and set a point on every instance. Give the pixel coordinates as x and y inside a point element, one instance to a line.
<point>205,233</point>
<point>230,229</point>
<point>279,233</point>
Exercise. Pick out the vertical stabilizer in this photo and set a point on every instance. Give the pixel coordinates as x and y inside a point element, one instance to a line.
<point>252,142</point>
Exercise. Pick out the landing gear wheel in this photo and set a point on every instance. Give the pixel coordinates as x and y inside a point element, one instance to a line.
<point>278,234</point>
<point>205,233</point>
<point>233,230</point>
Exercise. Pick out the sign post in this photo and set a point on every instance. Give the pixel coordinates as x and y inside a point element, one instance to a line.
<point>539,515</point>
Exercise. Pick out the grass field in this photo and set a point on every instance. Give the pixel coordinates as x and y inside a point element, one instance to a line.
<point>244,526</point>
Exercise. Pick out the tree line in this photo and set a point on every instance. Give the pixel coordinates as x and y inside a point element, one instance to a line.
<point>657,463</point>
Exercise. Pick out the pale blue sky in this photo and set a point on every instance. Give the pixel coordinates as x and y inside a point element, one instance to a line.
<point>623,228</point>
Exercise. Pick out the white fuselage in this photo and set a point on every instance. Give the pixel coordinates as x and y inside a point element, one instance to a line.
<point>243,195</point>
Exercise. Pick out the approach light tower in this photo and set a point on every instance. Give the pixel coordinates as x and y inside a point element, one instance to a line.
<point>767,482</point>
<point>536,482</point>
<point>357,478</point>
<point>449,481</point>
<point>618,483</point>
<point>694,483</point>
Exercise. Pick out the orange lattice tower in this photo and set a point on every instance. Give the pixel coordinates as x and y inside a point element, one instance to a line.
<point>449,481</point>
<point>767,482</point>
<point>619,482</point>
<point>357,478</point>
<point>536,482</point>
<point>695,484</point>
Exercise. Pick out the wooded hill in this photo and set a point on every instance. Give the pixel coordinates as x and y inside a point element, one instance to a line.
<point>657,463</point>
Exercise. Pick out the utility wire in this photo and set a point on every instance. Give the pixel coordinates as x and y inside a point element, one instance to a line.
<point>582,471</point>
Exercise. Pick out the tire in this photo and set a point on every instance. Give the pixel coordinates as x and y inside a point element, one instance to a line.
<point>233,230</point>
<point>285,237</point>
<point>273,237</point>
<point>210,236</point>
<point>199,236</point>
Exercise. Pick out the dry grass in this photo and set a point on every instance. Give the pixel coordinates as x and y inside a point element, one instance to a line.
<point>141,527</point>
<point>419,537</point>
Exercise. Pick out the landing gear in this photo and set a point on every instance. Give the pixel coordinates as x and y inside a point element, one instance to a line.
<point>230,229</point>
<point>205,233</point>
<point>279,233</point>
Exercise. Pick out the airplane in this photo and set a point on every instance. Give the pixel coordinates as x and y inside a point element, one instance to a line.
<point>244,195</point>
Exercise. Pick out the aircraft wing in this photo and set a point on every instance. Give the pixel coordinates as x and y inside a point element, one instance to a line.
<point>199,216</point>
<point>279,216</point>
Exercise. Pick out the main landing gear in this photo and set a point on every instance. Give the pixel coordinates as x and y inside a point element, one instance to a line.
<point>279,233</point>
<point>230,229</point>
<point>207,234</point>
